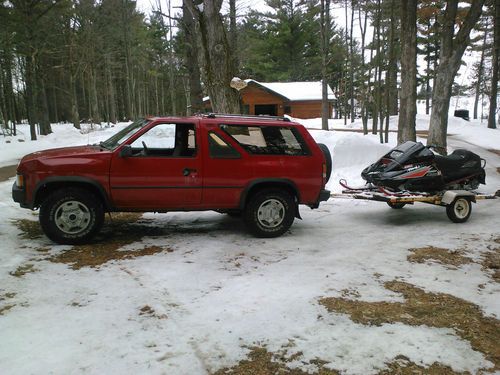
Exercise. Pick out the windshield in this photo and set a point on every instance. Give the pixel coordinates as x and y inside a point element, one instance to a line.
<point>118,138</point>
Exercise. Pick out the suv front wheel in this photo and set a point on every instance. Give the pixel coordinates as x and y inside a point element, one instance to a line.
<point>71,216</point>
<point>270,213</point>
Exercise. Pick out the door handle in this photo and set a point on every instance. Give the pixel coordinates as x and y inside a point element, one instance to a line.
<point>187,171</point>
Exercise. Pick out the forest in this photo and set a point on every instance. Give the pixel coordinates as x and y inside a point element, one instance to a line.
<point>103,61</point>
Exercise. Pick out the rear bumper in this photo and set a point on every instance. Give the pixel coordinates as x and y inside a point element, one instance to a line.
<point>19,196</point>
<point>324,195</point>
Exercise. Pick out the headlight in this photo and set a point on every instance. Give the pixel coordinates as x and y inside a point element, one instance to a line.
<point>20,180</point>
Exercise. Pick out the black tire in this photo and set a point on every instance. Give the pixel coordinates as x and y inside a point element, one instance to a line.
<point>396,206</point>
<point>71,216</point>
<point>459,210</point>
<point>328,158</point>
<point>270,213</point>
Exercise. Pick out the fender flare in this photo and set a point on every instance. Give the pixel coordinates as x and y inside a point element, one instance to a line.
<point>74,180</point>
<point>268,182</point>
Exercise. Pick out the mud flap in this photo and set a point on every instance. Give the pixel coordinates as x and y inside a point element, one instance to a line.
<point>297,213</point>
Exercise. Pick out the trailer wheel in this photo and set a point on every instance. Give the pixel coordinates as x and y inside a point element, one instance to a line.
<point>459,210</point>
<point>397,205</point>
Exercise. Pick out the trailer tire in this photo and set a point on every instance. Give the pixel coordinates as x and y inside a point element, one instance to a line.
<point>459,210</point>
<point>397,205</point>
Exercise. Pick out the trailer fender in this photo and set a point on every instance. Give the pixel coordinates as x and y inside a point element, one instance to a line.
<point>450,195</point>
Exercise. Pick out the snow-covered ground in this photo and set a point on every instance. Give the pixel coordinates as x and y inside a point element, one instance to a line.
<point>215,291</point>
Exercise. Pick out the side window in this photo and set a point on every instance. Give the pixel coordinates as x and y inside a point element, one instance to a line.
<point>174,140</point>
<point>273,140</point>
<point>220,149</point>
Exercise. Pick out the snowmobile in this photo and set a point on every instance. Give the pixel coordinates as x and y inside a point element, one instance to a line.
<point>413,167</point>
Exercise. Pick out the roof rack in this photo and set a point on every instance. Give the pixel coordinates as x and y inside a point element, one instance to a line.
<point>261,117</point>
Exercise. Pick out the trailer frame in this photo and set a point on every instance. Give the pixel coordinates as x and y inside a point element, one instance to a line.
<point>458,203</point>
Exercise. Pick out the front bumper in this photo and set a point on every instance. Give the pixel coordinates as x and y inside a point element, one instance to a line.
<point>19,196</point>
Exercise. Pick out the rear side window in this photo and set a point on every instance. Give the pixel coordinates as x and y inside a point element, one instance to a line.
<point>268,140</point>
<point>220,149</point>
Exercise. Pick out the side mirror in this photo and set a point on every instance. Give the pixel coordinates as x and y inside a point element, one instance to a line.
<point>126,151</point>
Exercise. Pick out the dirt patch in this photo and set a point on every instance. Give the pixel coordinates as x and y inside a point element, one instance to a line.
<point>491,264</point>
<point>98,254</point>
<point>498,170</point>
<point>262,362</point>
<point>7,172</point>
<point>30,230</point>
<point>431,309</point>
<point>23,270</point>
<point>7,296</point>
<point>403,366</point>
<point>495,151</point>
<point>6,307</point>
<point>120,230</point>
<point>147,310</point>
<point>449,258</point>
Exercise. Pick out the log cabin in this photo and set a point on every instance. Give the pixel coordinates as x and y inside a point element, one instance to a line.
<point>295,99</point>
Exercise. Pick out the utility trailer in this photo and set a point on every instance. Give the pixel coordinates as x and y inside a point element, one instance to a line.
<point>458,203</point>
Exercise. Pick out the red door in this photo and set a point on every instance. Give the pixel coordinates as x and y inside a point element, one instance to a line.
<point>163,171</point>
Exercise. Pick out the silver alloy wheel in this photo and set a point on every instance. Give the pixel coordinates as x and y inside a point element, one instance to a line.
<point>271,213</point>
<point>461,208</point>
<point>72,217</point>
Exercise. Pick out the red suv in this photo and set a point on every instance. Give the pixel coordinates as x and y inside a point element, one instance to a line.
<point>259,167</point>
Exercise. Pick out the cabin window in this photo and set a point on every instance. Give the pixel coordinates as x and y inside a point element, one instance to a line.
<point>267,140</point>
<point>220,149</point>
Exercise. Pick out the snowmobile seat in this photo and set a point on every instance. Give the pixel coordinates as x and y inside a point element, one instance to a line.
<point>459,163</point>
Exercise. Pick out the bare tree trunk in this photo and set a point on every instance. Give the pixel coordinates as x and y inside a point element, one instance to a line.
<point>192,61</point>
<point>75,116</point>
<point>94,104</point>
<point>111,91</point>
<point>233,34</point>
<point>30,95</point>
<point>492,116</point>
<point>365,87</point>
<point>43,108</point>
<point>217,55</point>
<point>346,41</point>
<point>427,71</point>
<point>479,76</point>
<point>408,97</point>
<point>171,76</point>
<point>351,67</point>
<point>325,47</point>
<point>376,101</point>
<point>392,68</point>
<point>452,50</point>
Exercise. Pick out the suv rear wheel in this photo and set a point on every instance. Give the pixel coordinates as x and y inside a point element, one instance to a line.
<point>270,213</point>
<point>71,216</point>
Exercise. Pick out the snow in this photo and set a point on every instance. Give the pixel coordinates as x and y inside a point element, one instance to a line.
<point>221,291</point>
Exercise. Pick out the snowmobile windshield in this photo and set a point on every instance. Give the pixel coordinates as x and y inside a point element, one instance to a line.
<point>405,151</point>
